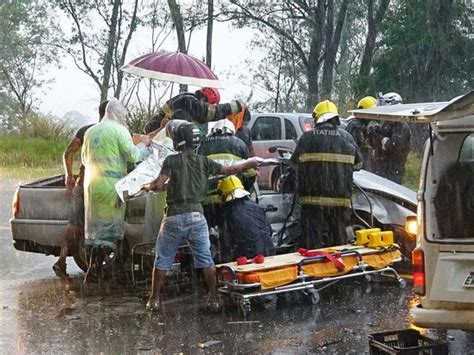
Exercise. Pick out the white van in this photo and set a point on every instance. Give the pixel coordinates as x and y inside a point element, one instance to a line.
<point>443,260</point>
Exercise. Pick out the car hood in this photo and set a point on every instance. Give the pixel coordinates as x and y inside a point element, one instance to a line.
<point>375,183</point>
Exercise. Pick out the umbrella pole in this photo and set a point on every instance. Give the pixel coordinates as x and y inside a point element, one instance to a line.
<point>171,91</point>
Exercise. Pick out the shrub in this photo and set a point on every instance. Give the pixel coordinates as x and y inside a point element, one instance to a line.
<point>138,116</point>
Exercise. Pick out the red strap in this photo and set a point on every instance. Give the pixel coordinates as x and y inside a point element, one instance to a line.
<point>331,257</point>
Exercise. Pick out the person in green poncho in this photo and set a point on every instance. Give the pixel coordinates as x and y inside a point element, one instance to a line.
<point>106,151</point>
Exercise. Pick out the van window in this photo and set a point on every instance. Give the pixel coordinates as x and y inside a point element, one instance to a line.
<point>467,149</point>
<point>266,128</point>
<point>454,201</point>
<point>290,131</point>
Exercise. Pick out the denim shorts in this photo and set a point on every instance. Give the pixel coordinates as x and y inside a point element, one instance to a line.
<point>176,230</point>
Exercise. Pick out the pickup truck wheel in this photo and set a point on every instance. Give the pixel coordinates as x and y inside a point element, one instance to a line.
<point>80,258</point>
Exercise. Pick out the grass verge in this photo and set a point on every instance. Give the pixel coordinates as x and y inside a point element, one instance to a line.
<point>30,158</point>
<point>412,171</point>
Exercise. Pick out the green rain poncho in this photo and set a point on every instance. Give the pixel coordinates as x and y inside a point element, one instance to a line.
<point>106,151</point>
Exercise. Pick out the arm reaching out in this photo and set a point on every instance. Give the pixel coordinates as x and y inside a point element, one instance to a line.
<point>238,168</point>
<point>157,184</point>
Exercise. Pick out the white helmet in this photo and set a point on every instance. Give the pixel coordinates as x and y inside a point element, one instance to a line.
<point>390,98</point>
<point>223,127</point>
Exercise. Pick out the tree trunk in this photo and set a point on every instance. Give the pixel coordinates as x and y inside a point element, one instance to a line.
<point>333,38</point>
<point>210,23</point>
<point>109,56</point>
<point>312,68</point>
<point>178,24</point>
<point>132,28</point>
<point>373,24</point>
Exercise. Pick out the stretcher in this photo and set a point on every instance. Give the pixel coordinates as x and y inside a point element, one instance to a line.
<point>309,274</point>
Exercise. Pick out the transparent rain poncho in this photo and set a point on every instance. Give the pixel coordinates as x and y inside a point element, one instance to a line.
<point>106,152</point>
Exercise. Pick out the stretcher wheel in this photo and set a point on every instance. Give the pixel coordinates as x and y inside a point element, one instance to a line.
<point>315,297</point>
<point>402,283</point>
<point>245,307</point>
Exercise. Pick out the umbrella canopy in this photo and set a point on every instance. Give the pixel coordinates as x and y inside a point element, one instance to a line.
<point>176,67</point>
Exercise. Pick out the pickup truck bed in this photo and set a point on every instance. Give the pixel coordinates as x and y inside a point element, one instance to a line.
<point>43,210</point>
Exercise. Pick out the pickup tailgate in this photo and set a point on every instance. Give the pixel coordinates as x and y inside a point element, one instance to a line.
<point>41,215</point>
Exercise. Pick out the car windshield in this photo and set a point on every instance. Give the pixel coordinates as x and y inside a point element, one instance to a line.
<point>454,199</point>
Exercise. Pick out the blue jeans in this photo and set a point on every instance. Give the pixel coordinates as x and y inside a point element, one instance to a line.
<point>174,231</point>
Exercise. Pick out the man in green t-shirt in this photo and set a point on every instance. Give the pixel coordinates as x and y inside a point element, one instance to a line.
<point>187,174</point>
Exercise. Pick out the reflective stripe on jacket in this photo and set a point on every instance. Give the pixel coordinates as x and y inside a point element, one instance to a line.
<point>325,160</point>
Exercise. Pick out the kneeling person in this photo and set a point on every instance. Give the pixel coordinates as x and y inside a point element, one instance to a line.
<point>187,174</point>
<point>247,225</point>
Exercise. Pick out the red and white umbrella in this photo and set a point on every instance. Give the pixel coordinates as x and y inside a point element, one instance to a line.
<point>176,67</point>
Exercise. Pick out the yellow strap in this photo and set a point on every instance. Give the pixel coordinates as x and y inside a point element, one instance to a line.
<point>224,156</point>
<point>326,157</point>
<point>325,201</point>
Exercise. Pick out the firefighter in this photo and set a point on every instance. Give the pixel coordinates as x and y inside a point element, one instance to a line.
<point>357,127</point>
<point>221,145</point>
<point>202,106</point>
<point>324,160</point>
<point>249,231</point>
<point>391,142</point>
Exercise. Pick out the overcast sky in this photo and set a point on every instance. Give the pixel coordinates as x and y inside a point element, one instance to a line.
<point>73,90</point>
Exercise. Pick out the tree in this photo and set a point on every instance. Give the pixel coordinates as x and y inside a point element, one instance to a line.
<point>426,50</point>
<point>26,30</point>
<point>99,39</point>
<point>308,26</point>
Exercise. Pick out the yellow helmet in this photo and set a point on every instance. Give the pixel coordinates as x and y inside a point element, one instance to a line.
<point>231,187</point>
<point>325,110</point>
<point>367,102</point>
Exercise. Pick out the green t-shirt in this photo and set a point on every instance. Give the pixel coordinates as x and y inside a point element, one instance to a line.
<point>187,186</point>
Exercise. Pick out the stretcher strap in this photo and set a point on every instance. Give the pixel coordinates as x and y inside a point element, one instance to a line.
<point>331,257</point>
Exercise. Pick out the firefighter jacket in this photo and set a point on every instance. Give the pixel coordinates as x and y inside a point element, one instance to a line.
<point>225,149</point>
<point>201,112</point>
<point>391,142</point>
<point>325,158</point>
<point>358,128</point>
<point>248,227</point>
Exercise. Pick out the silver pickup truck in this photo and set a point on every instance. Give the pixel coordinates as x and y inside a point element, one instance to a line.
<point>40,212</point>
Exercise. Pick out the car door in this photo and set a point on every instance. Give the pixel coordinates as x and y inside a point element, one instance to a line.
<point>267,131</point>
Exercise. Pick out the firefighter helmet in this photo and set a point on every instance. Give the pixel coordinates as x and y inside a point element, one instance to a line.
<point>211,95</point>
<point>224,126</point>
<point>324,111</point>
<point>390,98</point>
<point>231,188</point>
<point>367,102</point>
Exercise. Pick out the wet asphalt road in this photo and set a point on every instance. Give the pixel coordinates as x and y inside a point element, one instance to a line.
<point>39,316</point>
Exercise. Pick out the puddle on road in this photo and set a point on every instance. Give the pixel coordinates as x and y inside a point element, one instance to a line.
<point>112,319</point>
